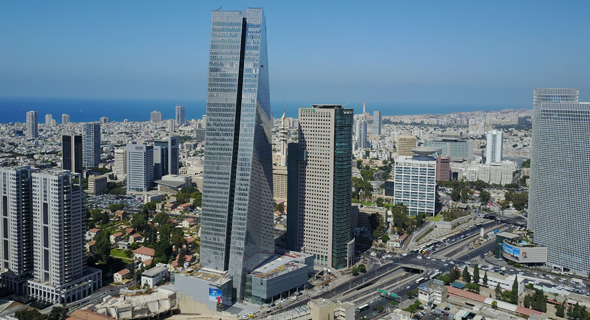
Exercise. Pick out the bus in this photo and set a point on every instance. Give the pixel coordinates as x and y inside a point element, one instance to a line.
<point>362,308</point>
<point>419,280</point>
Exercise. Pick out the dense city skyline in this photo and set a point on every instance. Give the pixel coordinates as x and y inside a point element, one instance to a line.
<point>401,53</point>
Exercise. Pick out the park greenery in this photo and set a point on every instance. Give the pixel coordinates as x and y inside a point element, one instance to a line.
<point>57,313</point>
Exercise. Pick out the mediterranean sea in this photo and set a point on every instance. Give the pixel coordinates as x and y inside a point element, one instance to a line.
<point>88,110</point>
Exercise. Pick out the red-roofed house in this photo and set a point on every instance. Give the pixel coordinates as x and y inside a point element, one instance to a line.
<point>129,231</point>
<point>116,237</point>
<point>188,260</point>
<point>122,275</point>
<point>185,206</point>
<point>92,233</point>
<point>169,206</point>
<point>187,223</point>
<point>91,246</point>
<point>135,238</point>
<point>144,253</point>
<point>121,215</point>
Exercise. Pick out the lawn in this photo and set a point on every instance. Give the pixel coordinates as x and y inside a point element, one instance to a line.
<point>438,217</point>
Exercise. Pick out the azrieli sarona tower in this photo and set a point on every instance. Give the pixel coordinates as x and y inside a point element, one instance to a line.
<point>237,231</point>
<point>559,194</point>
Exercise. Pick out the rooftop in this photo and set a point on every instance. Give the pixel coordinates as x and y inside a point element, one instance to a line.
<point>144,250</point>
<point>154,271</point>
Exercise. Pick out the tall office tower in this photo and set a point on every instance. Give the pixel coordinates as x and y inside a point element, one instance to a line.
<point>16,251</point>
<point>120,161</point>
<point>155,116</point>
<point>200,135</point>
<point>237,233</point>
<point>48,120</point>
<point>166,157</point>
<point>415,181</point>
<point>405,143</point>
<point>377,122</point>
<point>65,118</point>
<point>32,125</point>
<point>72,153</point>
<point>58,246</point>
<point>140,167</point>
<point>104,120</point>
<point>443,168</point>
<point>494,147</point>
<point>361,133</point>
<point>283,138</point>
<point>559,193</point>
<point>320,180</point>
<point>180,120</point>
<point>91,145</point>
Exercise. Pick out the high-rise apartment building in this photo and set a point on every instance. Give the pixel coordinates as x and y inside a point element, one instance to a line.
<point>60,272</point>
<point>16,249</point>
<point>237,232</point>
<point>415,181</point>
<point>32,125</point>
<point>166,157</point>
<point>171,125</point>
<point>48,120</point>
<point>405,143</point>
<point>494,146</point>
<point>104,120</point>
<point>377,122</point>
<point>120,161</point>
<point>559,193</point>
<point>155,116</point>
<point>180,119</point>
<point>91,143</point>
<point>320,180</point>
<point>42,251</point>
<point>443,168</point>
<point>455,148</point>
<point>140,167</point>
<point>65,118</point>
<point>361,133</point>
<point>72,153</point>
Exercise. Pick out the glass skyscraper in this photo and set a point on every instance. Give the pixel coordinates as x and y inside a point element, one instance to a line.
<point>237,225</point>
<point>559,194</point>
<point>91,145</point>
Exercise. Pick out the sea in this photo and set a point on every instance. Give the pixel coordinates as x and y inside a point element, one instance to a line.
<point>13,109</point>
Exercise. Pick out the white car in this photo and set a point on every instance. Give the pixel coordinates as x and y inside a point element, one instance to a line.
<point>404,254</point>
<point>428,258</point>
<point>446,264</point>
<point>420,257</point>
<point>432,259</point>
<point>444,260</point>
<point>451,262</point>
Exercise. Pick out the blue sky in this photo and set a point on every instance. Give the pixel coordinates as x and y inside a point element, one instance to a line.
<point>439,52</point>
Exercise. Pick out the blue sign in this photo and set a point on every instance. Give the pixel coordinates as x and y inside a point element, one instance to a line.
<point>215,295</point>
<point>512,251</point>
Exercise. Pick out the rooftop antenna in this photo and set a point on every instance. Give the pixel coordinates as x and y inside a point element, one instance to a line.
<point>345,104</point>
<point>284,107</point>
<point>218,9</point>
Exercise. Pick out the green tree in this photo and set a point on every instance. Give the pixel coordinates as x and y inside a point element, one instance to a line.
<point>473,287</point>
<point>527,301</point>
<point>58,313</point>
<point>30,314</point>
<point>466,276</point>
<point>485,278</point>
<point>380,308</point>
<point>495,304</point>
<point>116,206</point>
<point>484,197</point>
<point>161,219</point>
<point>465,195</point>
<point>559,309</point>
<point>446,279</point>
<point>498,291</point>
<point>476,273</point>
<point>181,257</point>
<point>456,195</point>
<point>379,202</point>
<point>514,292</point>
<point>454,275</point>
<point>103,246</point>
<point>280,207</point>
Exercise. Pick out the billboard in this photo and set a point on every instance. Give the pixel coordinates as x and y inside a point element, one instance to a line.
<point>513,252</point>
<point>215,295</point>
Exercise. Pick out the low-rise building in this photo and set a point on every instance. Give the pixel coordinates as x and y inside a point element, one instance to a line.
<point>97,184</point>
<point>154,275</point>
<point>433,294</point>
<point>121,215</point>
<point>92,233</point>
<point>116,237</point>
<point>122,275</point>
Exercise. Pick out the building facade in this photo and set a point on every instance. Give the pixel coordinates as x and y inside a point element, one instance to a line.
<point>457,149</point>
<point>415,182</point>
<point>49,120</point>
<point>320,181</point>
<point>166,157</point>
<point>91,144</point>
<point>120,167</point>
<point>72,153</point>
<point>494,146</point>
<point>443,168</point>
<point>32,125</point>
<point>180,119</point>
<point>377,122</point>
<point>237,232</point>
<point>405,143</point>
<point>361,133</point>
<point>559,193</point>
<point>140,167</point>
<point>155,116</point>
<point>280,180</point>
<point>65,118</point>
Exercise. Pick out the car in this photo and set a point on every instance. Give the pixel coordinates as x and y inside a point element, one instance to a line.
<point>408,287</point>
<point>404,254</point>
<point>444,260</point>
<point>446,264</point>
<point>511,270</point>
<point>432,259</point>
<point>428,258</point>
<point>420,257</point>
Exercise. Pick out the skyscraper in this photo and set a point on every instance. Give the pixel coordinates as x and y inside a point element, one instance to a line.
<point>32,125</point>
<point>120,167</point>
<point>237,232</point>
<point>319,184</point>
<point>91,145</point>
<point>104,120</point>
<point>155,116</point>
<point>65,118</point>
<point>377,122</point>
<point>415,181</point>
<point>140,167</point>
<point>361,133</point>
<point>48,120</point>
<point>72,153</point>
<point>166,157</point>
<point>16,251</point>
<point>180,120</point>
<point>405,143</point>
<point>559,194</point>
<point>494,146</point>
